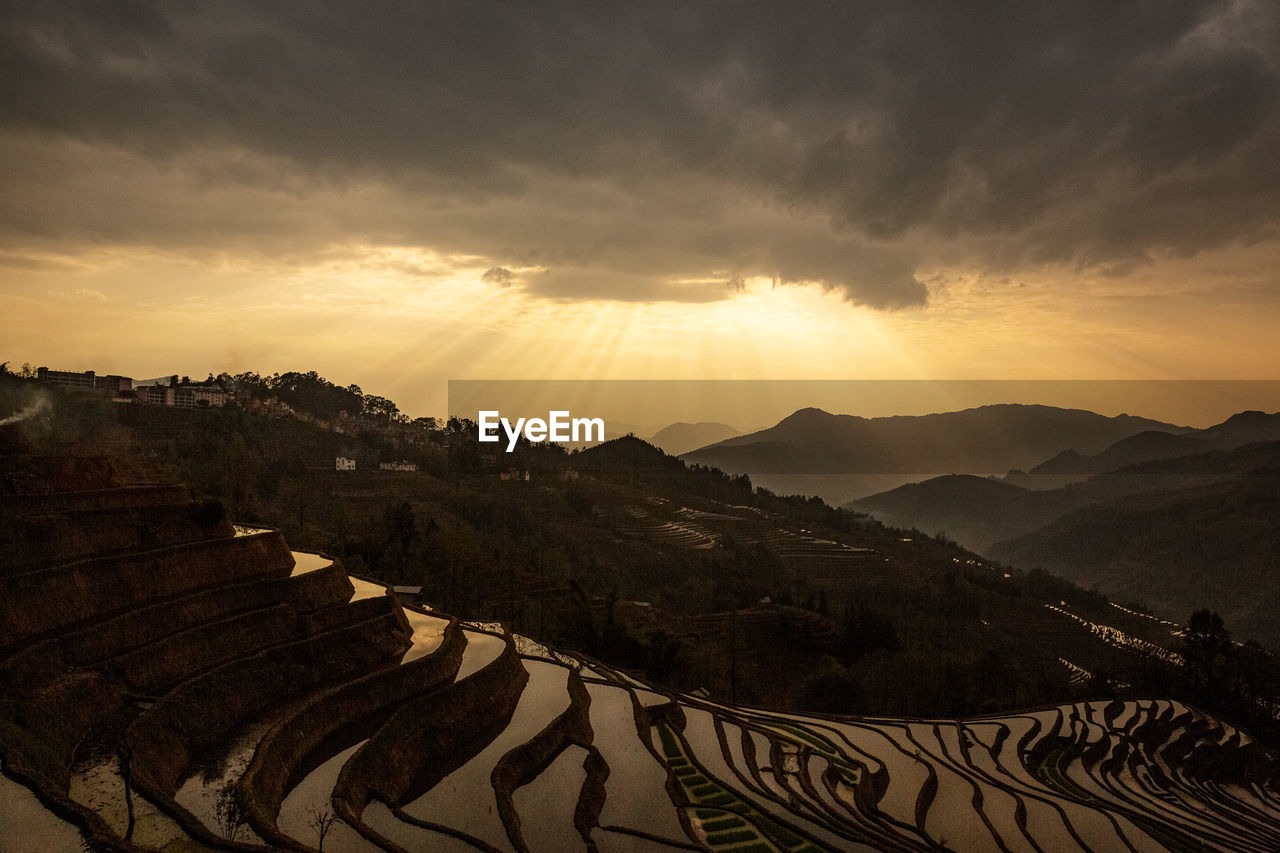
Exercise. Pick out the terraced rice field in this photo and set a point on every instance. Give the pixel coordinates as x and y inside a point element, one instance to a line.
<point>641,523</point>
<point>1120,639</point>
<point>653,771</point>
<point>664,772</point>
<point>208,665</point>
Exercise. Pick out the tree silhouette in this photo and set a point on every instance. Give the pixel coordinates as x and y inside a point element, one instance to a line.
<point>1208,645</point>
<point>321,819</point>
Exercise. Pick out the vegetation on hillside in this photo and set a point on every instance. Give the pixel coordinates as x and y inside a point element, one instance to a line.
<point>684,573</point>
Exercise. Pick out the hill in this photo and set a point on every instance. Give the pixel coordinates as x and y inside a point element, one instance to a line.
<point>1244,428</point>
<point>173,682</point>
<point>682,437</point>
<point>563,545</point>
<point>978,512</point>
<point>967,508</point>
<point>984,440</point>
<point>1213,546</point>
<point>1146,446</point>
<point>1152,445</point>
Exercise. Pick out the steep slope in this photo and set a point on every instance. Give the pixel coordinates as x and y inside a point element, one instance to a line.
<point>985,440</point>
<point>423,733</point>
<point>969,509</point>
<point>1214,546</point>
<point>154,683</point>
<point>977,512</point>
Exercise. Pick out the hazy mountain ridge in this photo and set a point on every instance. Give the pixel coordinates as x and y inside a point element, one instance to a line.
<point>978,512</point>
<point>1184,530</point>
<point>1152,445</point>
<point>981,440</point>
<point>682,437</point>
<point>1144,447</point>
<point>1216,545</point>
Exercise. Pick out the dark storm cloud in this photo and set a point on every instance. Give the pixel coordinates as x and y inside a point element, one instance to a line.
<point>844,143</point>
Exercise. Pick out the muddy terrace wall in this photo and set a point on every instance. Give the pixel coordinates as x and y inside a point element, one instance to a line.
<point>30,541</point>
<point>49,726</point>
<point>89,822</point>
<point>53,706</point>
<point>326,587</point>
<point>1228,762</point>
<point>1177,736</point>
<point>525,762</point>
<point>175,658</point>
<point>430,737</point>
<point>181,655</point>
<point>200,713</point>
<point>334,721</point>
<point>58,597</point>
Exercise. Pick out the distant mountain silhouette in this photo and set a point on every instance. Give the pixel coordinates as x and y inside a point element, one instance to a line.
<point>1143,447</point>
<point>1236,431</point>
<point>1214,546</point>
<point>682,437</point>
<point>1244,428</point>
<point>978,512</point>
<point>989,439</point>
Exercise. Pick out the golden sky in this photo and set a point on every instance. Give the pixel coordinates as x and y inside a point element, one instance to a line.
<point>893,190</point>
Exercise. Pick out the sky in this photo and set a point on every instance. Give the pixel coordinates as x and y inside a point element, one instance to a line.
<point>401,194</point>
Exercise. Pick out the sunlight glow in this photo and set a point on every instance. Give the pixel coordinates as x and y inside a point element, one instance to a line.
<point>401,321</point>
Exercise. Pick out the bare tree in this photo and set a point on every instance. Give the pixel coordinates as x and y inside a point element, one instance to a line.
<point>321,819</point>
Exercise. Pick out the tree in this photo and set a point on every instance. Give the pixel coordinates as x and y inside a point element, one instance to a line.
<point>229,810</point>
<point>426,424</point>
<point>321,819</point>
<point>865,631</point>
<point>380,408</point>
<point>830,689</point>
<point>1208,645</point>
<point>662,655</point>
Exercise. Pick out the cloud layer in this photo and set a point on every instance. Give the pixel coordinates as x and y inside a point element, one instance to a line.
<point>645,151</point>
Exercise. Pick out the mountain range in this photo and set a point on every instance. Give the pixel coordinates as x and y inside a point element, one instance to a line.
<point>983,440</point>
<point>1151,445</point>
<point>1174,532</point>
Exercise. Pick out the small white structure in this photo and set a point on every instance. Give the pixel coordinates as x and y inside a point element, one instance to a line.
<point>342,463</point>
<point>397,466</point>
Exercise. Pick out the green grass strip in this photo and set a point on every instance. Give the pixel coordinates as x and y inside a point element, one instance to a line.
<point>729,821</point>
